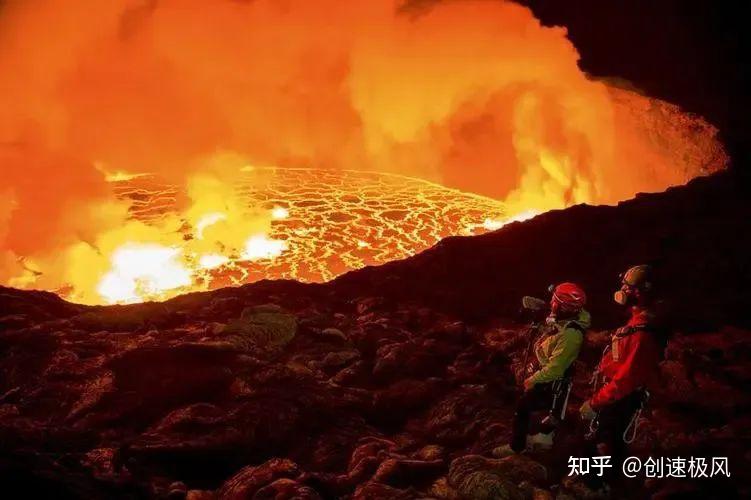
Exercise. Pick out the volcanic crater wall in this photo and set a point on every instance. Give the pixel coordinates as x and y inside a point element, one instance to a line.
<point>390,382</point>
<point>696,235</point>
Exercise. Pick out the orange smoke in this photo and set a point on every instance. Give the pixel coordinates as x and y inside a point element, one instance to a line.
<point>475,95</point>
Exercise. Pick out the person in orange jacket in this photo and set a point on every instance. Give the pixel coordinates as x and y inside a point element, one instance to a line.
<point>629,365</point>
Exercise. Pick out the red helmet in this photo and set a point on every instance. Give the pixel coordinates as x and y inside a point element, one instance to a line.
<point>569,297</point>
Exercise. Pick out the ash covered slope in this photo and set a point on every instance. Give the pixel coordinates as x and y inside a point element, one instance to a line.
<point>390,382</point>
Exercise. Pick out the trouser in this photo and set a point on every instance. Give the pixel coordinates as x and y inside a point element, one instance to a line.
<point>612,421</point>
<point>538,398</point>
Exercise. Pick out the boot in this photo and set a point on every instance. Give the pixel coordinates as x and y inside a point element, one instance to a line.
<point>540,441</point>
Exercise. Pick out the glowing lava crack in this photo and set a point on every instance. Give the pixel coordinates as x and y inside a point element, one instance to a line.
<point>324,223</point>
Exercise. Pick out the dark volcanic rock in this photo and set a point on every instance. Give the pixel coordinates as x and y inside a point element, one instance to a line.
<point>36,306</point>
<point>696,234</point>
<point>379,491</point>
<point>250,479</point>
<point>477,477</point>
<point>390,382</point>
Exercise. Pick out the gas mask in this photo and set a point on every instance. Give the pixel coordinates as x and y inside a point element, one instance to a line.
<point>625,296</point>
<point>634,284</point>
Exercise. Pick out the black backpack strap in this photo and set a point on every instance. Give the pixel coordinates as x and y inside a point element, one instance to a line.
<point>575,325</point>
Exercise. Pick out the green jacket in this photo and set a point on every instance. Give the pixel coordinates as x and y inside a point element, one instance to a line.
<point>556,352</point>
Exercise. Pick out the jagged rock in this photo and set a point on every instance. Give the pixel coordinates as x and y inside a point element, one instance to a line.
<point>481,364</point>
<point>92,394</point>
<point>8,410</point>
<point>101,462</point>
<point>36,305</point>
<point>456,417</point>
<point>205,433</point>
<point>154,378</point>
<point>269,308</point>
<point>194,437</point>
<point>332,449</point>
<point>190,416</point>
<point>443,491</point>
<point>126,318</point>
<point>378,460</point>
<point>478,478</point>
<point>334,332</point>
<point>420,358</point>
<point>240,387</point>
<point>10,395</point>
<point>519,468</point>
<point>223,307</point>
<point>177,490</point>
<point>542,494</point>
<point>11,321</point>
<point>379,491</point>
<point>370,336</point>
<point>261,326</point>
<point>404,397</point>
<point>357,374</point>
<point>215,328</point>
<point>336,359</point>
<point>676,375</point>
<point>405,472</point>
<point>430,452</point>
<point>367,304</point>
<point>367,457</point>
<point>287,489</point>
<point>200,495</point>
<point>574,488</point>
<point>249,480</point>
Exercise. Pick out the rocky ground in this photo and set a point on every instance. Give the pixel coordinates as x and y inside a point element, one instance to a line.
<point>391,382</point>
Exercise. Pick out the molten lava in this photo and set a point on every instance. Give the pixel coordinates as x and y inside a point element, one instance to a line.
<point>143,271</point>
<point>126,129</point>
<point>324,223</point>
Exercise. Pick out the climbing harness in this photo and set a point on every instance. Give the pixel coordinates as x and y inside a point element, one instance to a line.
<point>632,429</point>
<point>561,390</point>
<point>594,424</point>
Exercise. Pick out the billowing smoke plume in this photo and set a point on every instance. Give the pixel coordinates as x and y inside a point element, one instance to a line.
<point>476,95</point>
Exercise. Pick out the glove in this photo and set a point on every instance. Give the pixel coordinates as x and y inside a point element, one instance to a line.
<point>586,411</point>
<point>529,384</point>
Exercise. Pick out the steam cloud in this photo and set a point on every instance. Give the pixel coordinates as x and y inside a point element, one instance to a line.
<point>476,95</point>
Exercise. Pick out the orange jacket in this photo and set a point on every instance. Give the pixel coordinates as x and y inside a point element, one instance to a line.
<point>631,362</point>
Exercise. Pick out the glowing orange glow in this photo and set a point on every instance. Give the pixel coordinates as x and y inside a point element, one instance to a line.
<point>494,224</point>
<point>143,271</point>
<point>151,131</point>
<point>341,220</point>
<point>212,261</point>
<point>208,220</point>
<point>279,213</point>
<point>260,247</point>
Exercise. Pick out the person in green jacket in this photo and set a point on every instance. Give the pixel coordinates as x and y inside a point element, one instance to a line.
<point>555,350</point>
